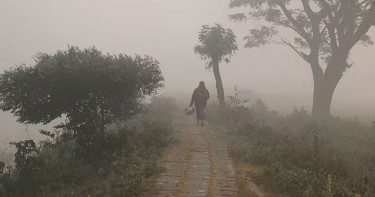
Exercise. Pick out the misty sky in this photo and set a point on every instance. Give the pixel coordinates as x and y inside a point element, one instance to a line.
<point>168,30</point>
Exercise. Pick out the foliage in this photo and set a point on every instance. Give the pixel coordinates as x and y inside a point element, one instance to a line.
<point>133,153</point>
<point>241,114</point>
<point>76,82</point>
<point>318,22</point>
<point>216,43</point>
<point>321,32</point>
<point>99,149</point>
<point>162,108</point>
<point>298,118</point>
<point>89,88</point>
<point>52,168</point>
<point>300,166</point>
<point>29,165</point>
<point>307,160</point>
<point>5,179</point>
<point>234,114</point>
<point>237,110</point>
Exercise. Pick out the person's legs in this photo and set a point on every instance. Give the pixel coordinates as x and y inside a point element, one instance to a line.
<point>199,115</point>
<point>203,116</point>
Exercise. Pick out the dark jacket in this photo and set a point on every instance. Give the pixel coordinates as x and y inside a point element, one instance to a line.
<point>200,97</point>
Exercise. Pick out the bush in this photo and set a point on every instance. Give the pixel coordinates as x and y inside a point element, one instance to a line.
<point>54,168</point>
<point>91,89</point>
<point>162,108</point>
<point>305,159</point>
<point>300,165</point>
<point>133,152</point>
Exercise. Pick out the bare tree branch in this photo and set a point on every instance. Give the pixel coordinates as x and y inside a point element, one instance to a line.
<point>300,53</point>
<point>363,28</point>
<point>298,26</point>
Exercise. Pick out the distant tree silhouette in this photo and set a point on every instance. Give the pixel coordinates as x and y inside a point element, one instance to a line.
<point>217,44</point>
<point>260,107</point>
<point>324,33</point>
<point>89,88</point>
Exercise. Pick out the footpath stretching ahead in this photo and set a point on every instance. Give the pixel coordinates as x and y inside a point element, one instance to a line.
<point>197,166</point>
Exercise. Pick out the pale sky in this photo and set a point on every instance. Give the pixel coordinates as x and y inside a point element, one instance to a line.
<point>168,31</point>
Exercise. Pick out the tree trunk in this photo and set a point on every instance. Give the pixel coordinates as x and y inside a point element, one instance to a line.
<point>322,99</point>
<point>324,87</point>
<point>219,82</point>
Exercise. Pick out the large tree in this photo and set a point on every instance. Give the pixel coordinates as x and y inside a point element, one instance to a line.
<point>323,34</point>
<point>89,88</point>
<point>217,44</point>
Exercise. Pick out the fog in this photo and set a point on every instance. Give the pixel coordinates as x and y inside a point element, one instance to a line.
<point>168,31</point>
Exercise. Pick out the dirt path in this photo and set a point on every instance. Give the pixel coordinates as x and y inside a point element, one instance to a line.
<point>197,166</point>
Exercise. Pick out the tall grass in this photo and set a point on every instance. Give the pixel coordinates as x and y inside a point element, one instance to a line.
<point>126,166</point>
<point>301,158</point>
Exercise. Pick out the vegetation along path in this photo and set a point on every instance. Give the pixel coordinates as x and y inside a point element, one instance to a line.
<point>198,165</point>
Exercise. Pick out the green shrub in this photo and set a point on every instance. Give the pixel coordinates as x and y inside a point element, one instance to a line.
<point>90,88</point>
<point>134,153</point>
<point>300,165</point>
<point>162,108</point>
<point>131,151</point>
<point>300,158</point>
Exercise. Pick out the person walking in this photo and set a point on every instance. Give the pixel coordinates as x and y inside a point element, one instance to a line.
<point>199,98</point>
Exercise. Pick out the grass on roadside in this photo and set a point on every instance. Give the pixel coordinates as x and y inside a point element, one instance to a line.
<point>127,166</point>
<point>301,159</point>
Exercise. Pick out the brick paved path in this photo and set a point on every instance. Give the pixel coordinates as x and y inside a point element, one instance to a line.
<point>197,166</point>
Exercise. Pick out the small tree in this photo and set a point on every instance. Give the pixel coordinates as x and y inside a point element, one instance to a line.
<point>324,33</point>
<point>91,89</point>
<point>217,44</point>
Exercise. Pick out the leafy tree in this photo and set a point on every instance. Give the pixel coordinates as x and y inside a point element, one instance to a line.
<point>324,33</point>
<point>29,164</point>
<point>217,44</point>
<point>89,88</point>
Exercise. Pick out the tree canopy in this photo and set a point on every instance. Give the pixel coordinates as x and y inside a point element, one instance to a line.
<point>322,25</point>
<point>87,86</point>
<point>216,42</point>
<point>322,32</point>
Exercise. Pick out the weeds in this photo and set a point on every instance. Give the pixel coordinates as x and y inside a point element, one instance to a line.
<point>124,166</point>
<point>305,159</point>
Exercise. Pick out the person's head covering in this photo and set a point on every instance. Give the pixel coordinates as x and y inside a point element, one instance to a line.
<point>202,85</point>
